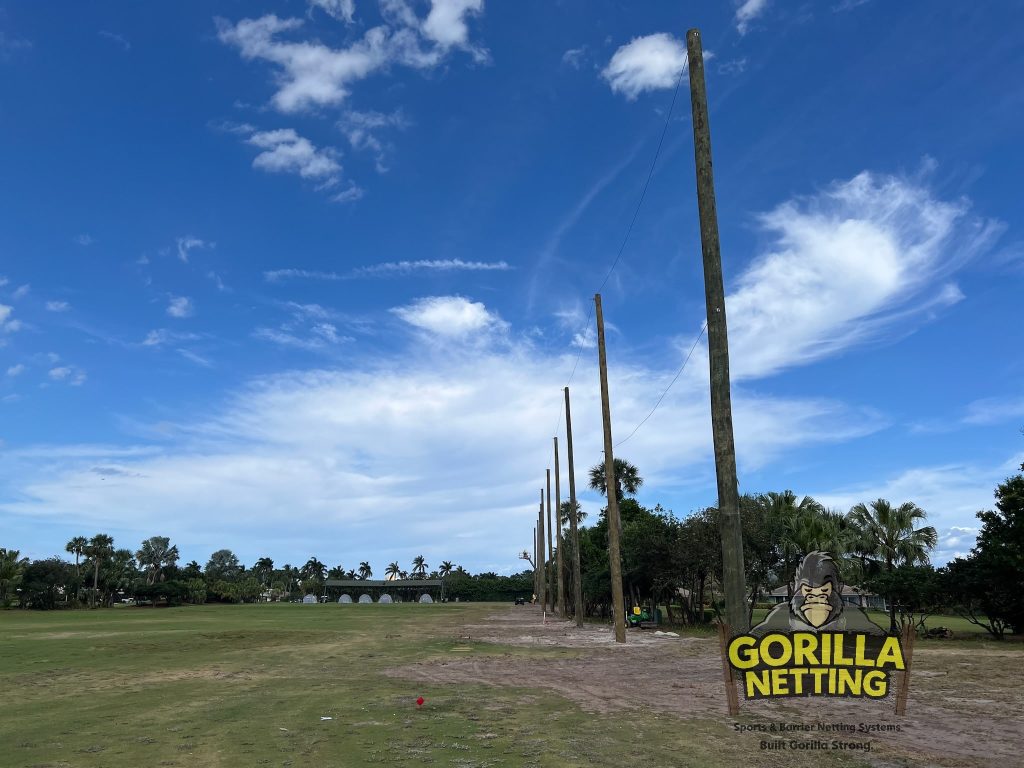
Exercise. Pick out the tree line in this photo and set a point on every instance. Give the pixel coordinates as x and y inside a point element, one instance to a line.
<point>880,547</point>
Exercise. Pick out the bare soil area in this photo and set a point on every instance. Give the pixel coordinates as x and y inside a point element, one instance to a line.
<point>964,708</point>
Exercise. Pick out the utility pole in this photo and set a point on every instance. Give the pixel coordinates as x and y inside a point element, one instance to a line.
<point>551,551</point>
<point>574,532</point>
<point>614,558</point>
<point>558,539</point>
<point>542,561</point>
<point>718,347</point>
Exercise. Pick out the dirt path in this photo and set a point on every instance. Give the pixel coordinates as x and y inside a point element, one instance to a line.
<point>964,709</point>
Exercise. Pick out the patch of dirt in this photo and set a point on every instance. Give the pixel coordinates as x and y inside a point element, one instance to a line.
<point>963,709</point>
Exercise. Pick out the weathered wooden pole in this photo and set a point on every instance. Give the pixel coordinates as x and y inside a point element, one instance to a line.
<point>541,559</point>
<point>574,532</point>
<point>558,539</point>
<point>614,558</point>
<point>535,564</point>
<point>718,348</point>
<point>551,549</point>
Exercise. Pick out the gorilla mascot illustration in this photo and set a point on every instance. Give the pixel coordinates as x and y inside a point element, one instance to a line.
<point>817,604</point>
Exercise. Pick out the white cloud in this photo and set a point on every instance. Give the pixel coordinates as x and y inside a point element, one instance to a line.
<point>846,265</point>
<point>180,306</point>
<point>69,374</point>
<point>341,10</point>
<point>747,12</point>
<point>287,152</point>
<point>3,281</point>
<point>163,336</point>
<point>190,243</point>
<point>276,275</point>
<point>430,265</point>
<point>647,64</point>
<point>84,240</point>
<point>116,38</point>
<point>457,429</point>
<point>995,410</point>
<point>57,306</point>
<point>195,358</point>
<point>446,22</point>
<point>16,370</point>
<point>449,316</point>
<point>319,337</point>
<point>7,325</point>
<point>362,129</point>
<point>574,57</point>
<point>315,75</point>
<point>21,291</point>
<point>951,495</point>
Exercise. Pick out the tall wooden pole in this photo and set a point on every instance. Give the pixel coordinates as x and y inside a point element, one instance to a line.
<point>558,539</point>
<point>542,560</point>
<point>551,550</point>
<point>535,564</point>
<point>614,558</point>
<point>718,348</point>
<point>574,532</point>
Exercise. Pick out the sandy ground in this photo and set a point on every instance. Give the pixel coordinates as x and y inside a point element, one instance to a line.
<point>965,705</point>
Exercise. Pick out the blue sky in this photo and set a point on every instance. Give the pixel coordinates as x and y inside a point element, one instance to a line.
<point>307,278</point>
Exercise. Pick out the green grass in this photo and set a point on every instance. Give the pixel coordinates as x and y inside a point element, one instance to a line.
<point>248,685</point>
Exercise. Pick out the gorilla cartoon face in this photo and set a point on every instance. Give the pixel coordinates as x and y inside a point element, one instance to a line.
<point>817,590</point>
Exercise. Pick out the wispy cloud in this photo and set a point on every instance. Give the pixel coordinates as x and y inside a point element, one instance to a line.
<point>119,39</point>
<point>8,325</point>
<point>194,358</point>
<point>21,291</point>
<point>84,240</point>
<point>180,306</point>
<point>647,63</point>
<point>68,374</point>
<point>188,244</point>
<point>862,257</point>
<point>276,275</point>
<point>321,448</point>
<point>389,269</point>
<point>429,265</point>
<point>747,13</point>
<point>162,336</point>
<point>362,130</point>
<point>574,57</point>
<point>16,370</point>
<point>995,410</point>
<point>341,10</point>
<point>57,306</point>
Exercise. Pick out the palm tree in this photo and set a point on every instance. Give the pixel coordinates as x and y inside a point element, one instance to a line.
<point>393,570</point>
<point>99,549</point>
<point>627,478</point>
<point>314,571</point>
<point>365,571</point>
<point>565,509</point>
<point>156,552</point>
<point>263,568</point>
<point>337,572</point>
<point>445,569</point>
<point>76,547</point>
<point>889,535</point>
<point>419,567</point>
<point>11,568</point>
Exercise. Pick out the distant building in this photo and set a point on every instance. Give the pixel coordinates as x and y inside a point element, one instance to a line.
<point>851,596</point>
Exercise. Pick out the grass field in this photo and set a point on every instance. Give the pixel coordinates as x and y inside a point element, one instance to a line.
<point>250,685</point>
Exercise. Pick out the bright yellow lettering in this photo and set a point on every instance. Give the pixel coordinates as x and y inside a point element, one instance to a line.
<point>742,652</point>
<point>783,658</point>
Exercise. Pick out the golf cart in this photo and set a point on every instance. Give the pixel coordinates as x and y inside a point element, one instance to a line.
<point>638,617</point>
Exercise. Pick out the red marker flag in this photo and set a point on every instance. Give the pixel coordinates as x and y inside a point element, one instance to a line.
<point>419,702</point>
